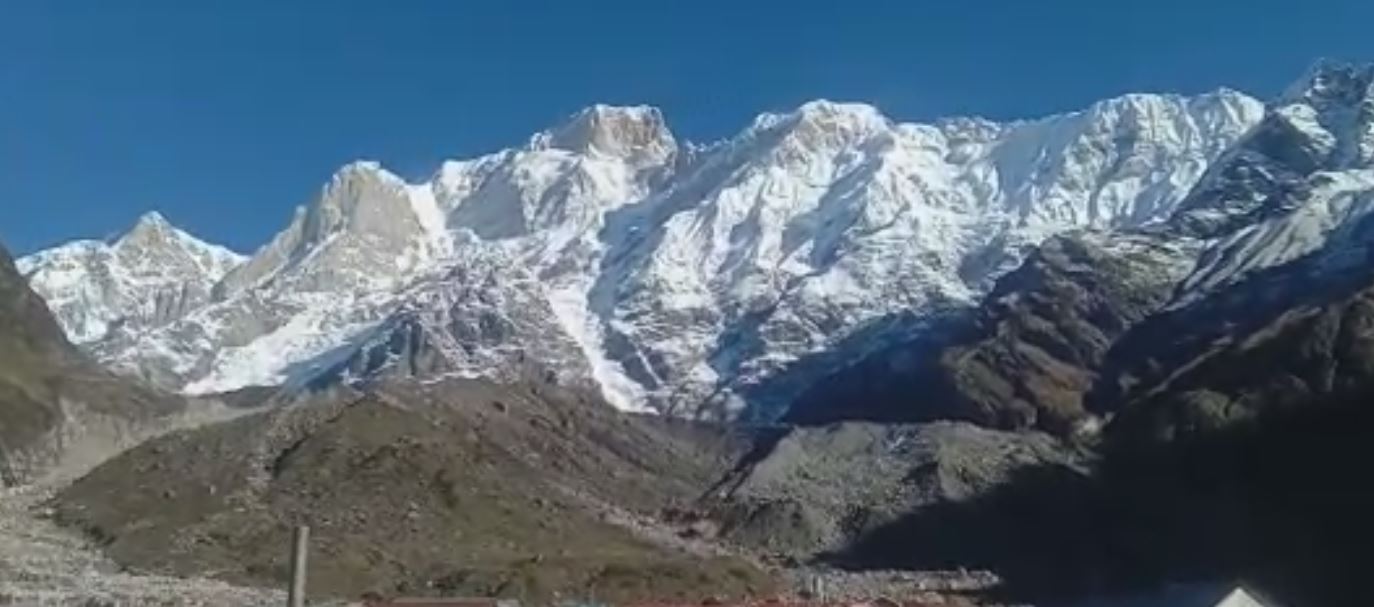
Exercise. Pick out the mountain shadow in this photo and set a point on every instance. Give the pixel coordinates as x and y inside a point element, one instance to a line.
<point>1279,502</point>
<point>885,372</point>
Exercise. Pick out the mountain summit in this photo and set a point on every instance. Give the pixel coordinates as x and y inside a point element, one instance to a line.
<point>637,134</point>
<point>150,275</point>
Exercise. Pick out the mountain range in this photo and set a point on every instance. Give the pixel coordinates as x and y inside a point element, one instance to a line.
<point>711,280</point>
<point>1141,319</point>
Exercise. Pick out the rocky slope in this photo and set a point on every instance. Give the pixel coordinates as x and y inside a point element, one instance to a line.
<point>55,403</point>
<point>460,488</point>
<point>1268,500</point>
<point>1309,350</point>
<point>815,490</point>
<point>715,279</point>
<point>61,413</point>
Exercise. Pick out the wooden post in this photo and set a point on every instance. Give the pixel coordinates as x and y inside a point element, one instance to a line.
<point>295,596</point>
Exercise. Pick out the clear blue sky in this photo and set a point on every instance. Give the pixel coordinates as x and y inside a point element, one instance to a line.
<point>225,115</point>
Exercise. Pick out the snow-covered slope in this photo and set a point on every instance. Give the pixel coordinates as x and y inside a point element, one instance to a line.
<point>680,277</point>
<point>1302,183</point>
<point>1280,225</point>
<point>152,274</point>
<point>813,225</point>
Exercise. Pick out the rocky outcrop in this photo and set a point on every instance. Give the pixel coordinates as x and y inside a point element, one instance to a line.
<point>33,341</point>
<point>1323,123</point>
<point>1031,354</point>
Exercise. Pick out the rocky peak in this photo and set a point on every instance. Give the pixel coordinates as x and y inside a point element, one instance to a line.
<point>1324,123</point>
<point>151,235</point>
<point>1334,107</point>
<point>839,114</point>
<point>151,226</point>
<point>970,129</point>
<point>823,125</point>
<point>153,246</point>
<point>366,225</point>
<point>1329,83</point>
<point>150,275</point>
<point>360,197</point>
<point>1132,114</point>
<point>636,134</point>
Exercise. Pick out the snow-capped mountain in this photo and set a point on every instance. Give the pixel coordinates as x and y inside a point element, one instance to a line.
<point>1164,318</point>
<point>1299,184</point>
<point>673,276</point>
<point>152,274</point>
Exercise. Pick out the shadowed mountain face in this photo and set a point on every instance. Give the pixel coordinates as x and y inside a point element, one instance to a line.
<point>1244,357</point>
<point>52,399</point>
<point>1271,501</point>
<point>1030,354</point>
<point>33,343</point>
<point>460,488</point>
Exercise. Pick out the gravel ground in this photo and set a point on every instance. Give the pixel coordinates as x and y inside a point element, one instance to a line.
<point>42,564</point>
<point>924,587</point>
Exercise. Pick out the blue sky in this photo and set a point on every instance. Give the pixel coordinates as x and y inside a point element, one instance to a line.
<point>226,115</point>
